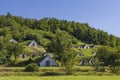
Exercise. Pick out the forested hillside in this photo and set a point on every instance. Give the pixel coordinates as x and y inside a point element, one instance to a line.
<point>23,29</point>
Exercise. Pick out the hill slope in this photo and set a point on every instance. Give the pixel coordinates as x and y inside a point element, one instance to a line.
<point>43,31</point>
<point>82,31</point>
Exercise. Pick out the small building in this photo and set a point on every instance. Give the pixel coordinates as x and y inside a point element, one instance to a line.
<point>47,61</point>
<point>34,44</point>
<point>94,54</point>
<point>13,40</point>
<point>83,62</point>
<point>91,61</point>
<point>80,54</point>
<point>23,55</point>
<point>86,46</point>
<point>33,55</point>
<point>80,47</point>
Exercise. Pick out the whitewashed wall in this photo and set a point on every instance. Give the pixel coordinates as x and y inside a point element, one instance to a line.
<point>47,58</point>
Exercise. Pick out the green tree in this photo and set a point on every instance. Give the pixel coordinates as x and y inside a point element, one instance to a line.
<point>110,57</point>
<point>103,54</point>
<point>112,41</point>
<point>13,49</point>
<point>60,44</point>
<point>114,62</point>
<point>32,68</point>
<point>2,50</point>
<point>70,60</point>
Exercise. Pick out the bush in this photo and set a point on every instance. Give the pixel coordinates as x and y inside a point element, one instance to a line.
<point>24,62</point>
<point>12,63</point>
<point>32,68</point>
<point>52,74</point>
<point>74,41</point>
<point>49,36</point>
<point>102,69</point>
<point>115,69</point>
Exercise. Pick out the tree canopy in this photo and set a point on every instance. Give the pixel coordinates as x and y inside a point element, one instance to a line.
<point>19,27</point>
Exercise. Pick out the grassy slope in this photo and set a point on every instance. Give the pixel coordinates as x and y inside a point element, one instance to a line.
<point>87,52</point>
<point>44,41</point>
<point>31,49</point>
<point>61,78</point>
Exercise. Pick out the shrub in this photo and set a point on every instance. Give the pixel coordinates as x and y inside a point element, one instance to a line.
<point>32,67</point>
<point>102,69</point>
<point>25,62</point>
<point>12,63</point>
<point>115,69</point>
<point>52,74</point>
<point>49,36</point>
<point>74,41</point>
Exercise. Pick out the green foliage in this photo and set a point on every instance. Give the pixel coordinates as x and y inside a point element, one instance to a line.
<point>81,31</point>
<point>32,68</point>
<point>109,57</point>
<point>74,41</point>
<point>56,71</point>
<point>70,60</point>
<point>53,34</point>
<point>49,35</point>
<point>12,63</point>
<point>51,74</point>
<point>25,62</point>
<point>13,49</point>
<point>114,62</point>
<point>103,53</point>
<point>60,44</point>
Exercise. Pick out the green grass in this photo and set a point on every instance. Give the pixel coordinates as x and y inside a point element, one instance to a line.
<point>87,52</point>
<point>30,50</point>
<point>61,78</point>
<point>54,71</point>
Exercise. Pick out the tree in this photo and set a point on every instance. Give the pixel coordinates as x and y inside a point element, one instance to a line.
<point>61,47</point>
<point>60,44</point>
<point>70,60</point>
<point>103,54</point>
<point>110,57</point>
<point>13,49</point>
<point>9,15</point>
<point>112,41</point>
<point>32,68</point>
<point>17,50</point>
<point>114,62</point>
<point>3,58</point>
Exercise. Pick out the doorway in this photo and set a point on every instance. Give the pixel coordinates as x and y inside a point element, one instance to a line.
<point>47,63</point>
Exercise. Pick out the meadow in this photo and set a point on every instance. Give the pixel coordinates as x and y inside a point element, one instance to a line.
<point>54,71</point>
<point>61,78</point>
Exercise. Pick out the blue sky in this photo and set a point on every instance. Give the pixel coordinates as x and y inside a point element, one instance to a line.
<point>100,14</point>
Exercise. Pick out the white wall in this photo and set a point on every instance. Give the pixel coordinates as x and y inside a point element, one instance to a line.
<point>47,58</point>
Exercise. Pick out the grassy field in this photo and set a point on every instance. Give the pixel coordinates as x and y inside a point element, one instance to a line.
<point>61,78</point>
<point>53,71</point>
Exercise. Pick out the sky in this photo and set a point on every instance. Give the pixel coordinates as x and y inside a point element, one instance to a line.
<point>100,14</point>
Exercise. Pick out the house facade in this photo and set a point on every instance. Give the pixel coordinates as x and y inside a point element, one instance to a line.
<point>34,44</point>
<point>86,46</point>
<point>47,61</point>
<point>23,55</point>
